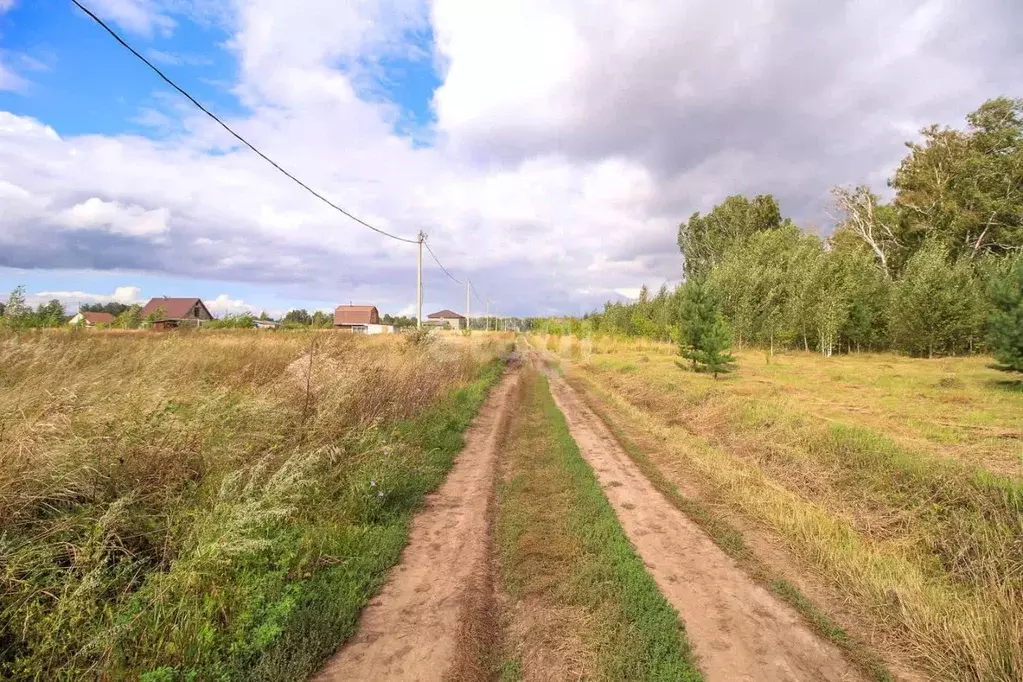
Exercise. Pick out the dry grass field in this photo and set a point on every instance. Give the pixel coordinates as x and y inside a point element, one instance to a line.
<point>897,483</point>
<point>212,505</point>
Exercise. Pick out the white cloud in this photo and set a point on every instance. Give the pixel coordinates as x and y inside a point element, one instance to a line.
<point>569,142</point>
<point>138,16</point>
<point>631,293</point>
<point>225,305</point>
<point>6,5</point>
<point>125,294</point>
<point>19,128</point>
<point>117,218</point>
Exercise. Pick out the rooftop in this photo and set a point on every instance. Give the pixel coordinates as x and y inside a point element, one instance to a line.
<point>173,308</point>
<point>445,315</point>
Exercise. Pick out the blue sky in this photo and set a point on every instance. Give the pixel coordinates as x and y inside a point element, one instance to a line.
<point>90,84</point>
<point>548,149</point>
<point>84,83</point>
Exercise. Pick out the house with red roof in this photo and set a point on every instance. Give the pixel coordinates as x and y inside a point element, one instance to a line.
<point>168,313</point>
<point>360,319</point>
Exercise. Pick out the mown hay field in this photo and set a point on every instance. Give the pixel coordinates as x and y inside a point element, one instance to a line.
<point>213,505</point>
<point>898,482</point>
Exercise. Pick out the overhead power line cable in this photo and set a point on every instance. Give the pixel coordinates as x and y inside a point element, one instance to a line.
<point>436,260</point>
<point>236,135</point>
<point>476,293</point>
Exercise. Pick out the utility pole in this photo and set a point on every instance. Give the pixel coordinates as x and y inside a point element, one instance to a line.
<point>419,282</point>
<point>468,318</point>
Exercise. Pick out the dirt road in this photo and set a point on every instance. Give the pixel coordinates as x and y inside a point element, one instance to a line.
<point>738,630</point>
<point>410,631</point>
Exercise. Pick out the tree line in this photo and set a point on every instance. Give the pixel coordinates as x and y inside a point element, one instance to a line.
<point>934,271</point>
<point>15,313</point>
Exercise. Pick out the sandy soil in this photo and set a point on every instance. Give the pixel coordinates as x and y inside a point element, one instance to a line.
<point>411,630</point>
<point>738,630</point>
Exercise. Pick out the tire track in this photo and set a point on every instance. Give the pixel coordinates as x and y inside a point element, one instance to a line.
<point>738,630</point>
<point>413,629</point>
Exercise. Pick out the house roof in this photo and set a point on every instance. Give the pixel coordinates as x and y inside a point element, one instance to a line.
<point>98,318</point>
<point>445,315</point>
<point>355,314</point>
<point>174,308</point>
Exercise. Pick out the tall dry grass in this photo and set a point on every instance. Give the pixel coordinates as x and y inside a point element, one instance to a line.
<point>923,537</point>
<point>191,503</point>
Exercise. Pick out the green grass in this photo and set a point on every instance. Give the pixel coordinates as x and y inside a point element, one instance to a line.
<point>510,670</point>
<point>563,552</point>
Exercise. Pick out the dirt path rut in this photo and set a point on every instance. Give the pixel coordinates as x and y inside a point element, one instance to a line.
<point>410,631</point>
<point>738,630</point>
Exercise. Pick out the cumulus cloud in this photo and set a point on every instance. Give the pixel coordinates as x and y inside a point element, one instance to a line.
<point>772,92</point>
<point>116,218</point>
<point>125,294</point>
<point>225,305</point>
<point>568,142</point>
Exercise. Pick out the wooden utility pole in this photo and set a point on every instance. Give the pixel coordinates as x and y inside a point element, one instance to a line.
<point>419,282</point>
<point>488,314</point>
<point>468,319</point>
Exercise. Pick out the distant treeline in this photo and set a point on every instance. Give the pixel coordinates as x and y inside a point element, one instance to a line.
<point>918,274</point>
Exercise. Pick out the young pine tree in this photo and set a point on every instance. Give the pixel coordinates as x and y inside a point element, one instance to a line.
<point>1005,327</point>
<point>704,338</point>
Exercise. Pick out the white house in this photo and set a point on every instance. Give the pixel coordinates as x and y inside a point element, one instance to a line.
<point>90,320</point>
